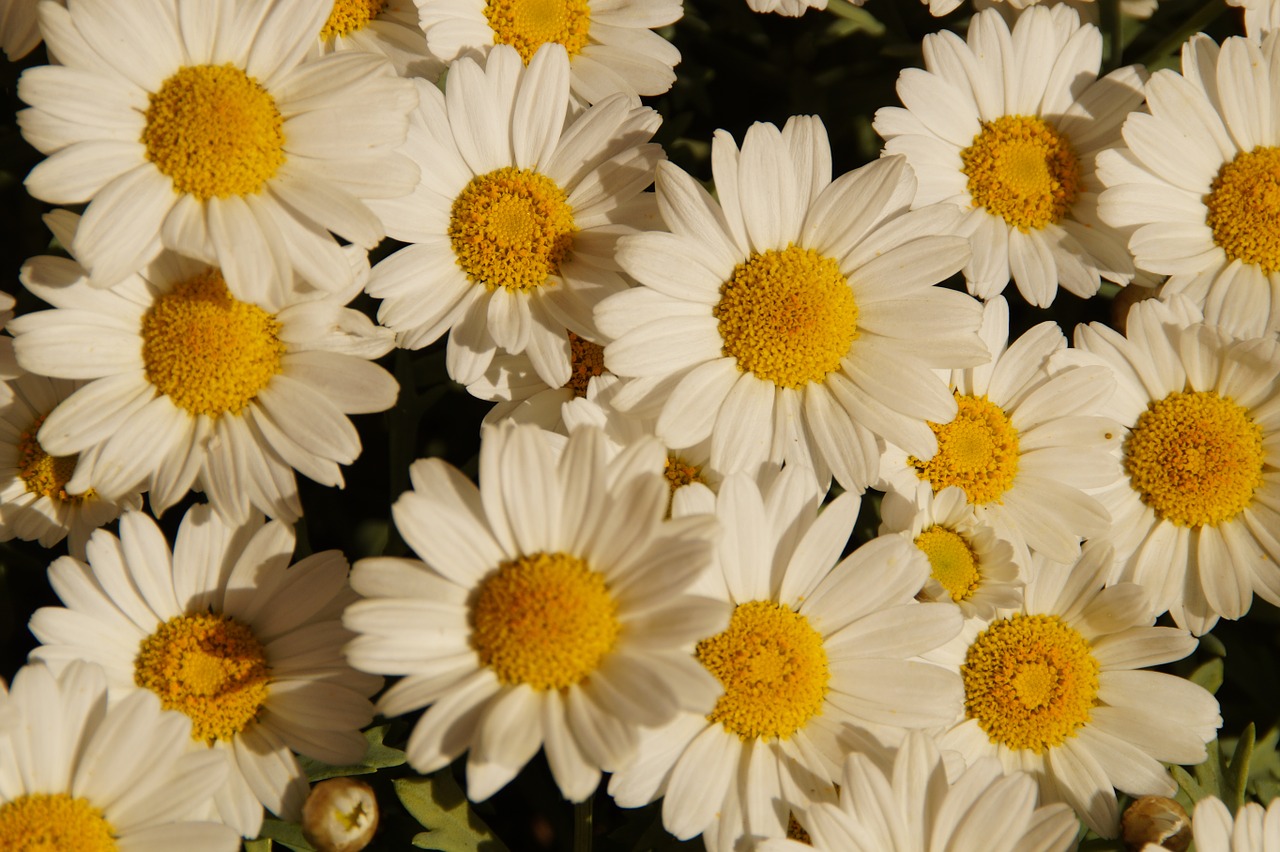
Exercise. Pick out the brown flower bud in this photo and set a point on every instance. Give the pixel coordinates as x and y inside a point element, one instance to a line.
<point>1159,820</point>
<point>340,815</point>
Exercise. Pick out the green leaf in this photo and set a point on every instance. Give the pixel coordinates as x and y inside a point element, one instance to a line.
<point>856,18</point>
<point>286,834</point>
<point>440,806</point>
<point>1235,778</point>
<point>1191,786</point>
<point>378,757</point>
<point>262,844</point>
<point>1209,675</point>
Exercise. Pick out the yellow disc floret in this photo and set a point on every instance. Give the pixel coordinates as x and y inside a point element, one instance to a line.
<point>511,228</point>
<point>54,822</point>
<point>586,359</point>
<point>773,668</point>
<point>1030,681</point>
<point>208,351</point>
<point>211,667</point>
<point>1023,170</point>
<point>680,472</point>
<point>1195,458</point>
<point>788,316</point>
<point>952,562</point>
<point>42,473</point>
<point>978,451</point>
<point>1244,208</point>
<point>547,620</point>
<point>215,131</point>
<point>349,16</point>
<point>527,25</point>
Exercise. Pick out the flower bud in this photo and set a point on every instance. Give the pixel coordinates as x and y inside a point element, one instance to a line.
<point>1159,820</point>
<point>340,815</point>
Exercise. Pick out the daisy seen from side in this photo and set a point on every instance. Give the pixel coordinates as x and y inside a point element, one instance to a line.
<point>512,383</point>
<point>386,27</point>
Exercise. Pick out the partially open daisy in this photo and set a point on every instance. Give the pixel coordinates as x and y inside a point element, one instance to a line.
<point>520,394</point>
<point>550,609</point>
<point>610,45</point>
<point>79,776</point>
<point>229,635</point>
<point>1198,183</point>
<point>1028,438</point>
<point>796,319</point>
<point>1060,689</point>
<point>1006,126</point>
<point>815,644</point>
<point>199,126</point>
<point>907,804</point>
<point>515,221</point>
<point>1195,500</point>
<point>1252,829</point>
<point>388,27</point>
<point>189,386</point>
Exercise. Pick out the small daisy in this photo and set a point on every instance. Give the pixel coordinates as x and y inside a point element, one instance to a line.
<point>1015,149</point>
<point>1027,440</point>
<point>910,806</point>
<point>782,326</point>
<point>968,563</point>
<point>549,610</point>
<point>34,503</point>
<point>1060,689</point>
<point>1260,16</point>
<point>1252,830</point>
<point>515,222</point>
<point>227,633</point>
<point>610,45</point>
<point>520,394</point>
<point>1195,498</point>
<point>79,776</point>
<point>1199,183</point>
<point>790,8</point>
<point>199,126</point>
<point>19,29</point>
<point>815,644</point>
<point>190,387</point>
<point>387,27</point>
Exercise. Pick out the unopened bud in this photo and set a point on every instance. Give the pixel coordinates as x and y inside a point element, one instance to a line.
<point>340,815</point>
<point>1158,820</point>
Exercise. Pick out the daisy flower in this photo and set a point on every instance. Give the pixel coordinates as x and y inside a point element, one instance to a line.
<point>1087,9</point>
<point>19,29</point>
<point>549,610</point>
<point>1252,829</point>
<point>1015,149</point>
<point>1028,438</point>
<point>386,27</point>
<point>79,775</point>
<point>515,222</point>
<point>790,8</point>
<point>1197,183</point>
<point>228,634</point>
<point>189,386</point>
<point>1195,497</point>
<point>1260,16</point>
<point>815,644</point>
<point>34,502</point>
<point>781,325</point>
<point>520,394</point>
<point>1060,689</point>
<point>610,45</point>
<point>200,126</point>
<point>908,805</point>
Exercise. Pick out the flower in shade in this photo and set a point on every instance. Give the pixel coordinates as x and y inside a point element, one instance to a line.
<point>1260,16</point>
<point>201,126</point>
<point>19,28</point>
<point>231,637</point>
<point>388,27</point>
<point>512,383</point>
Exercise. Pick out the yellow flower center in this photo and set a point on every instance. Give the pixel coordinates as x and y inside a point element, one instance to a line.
<point>511,228</point>
<point>351,15</point>
<point>1244,208</point>
<point>796,832</point>
<point>527,25</point>
<point>44,474</point>
<point>773,668</point>
<point>208,351</point>
<point>951,561</point>
<point>210,667</point>
<point>54,822</point>
<point>788,316</point>
<point>587,360</point>
<point>1195,458</point>
<point>977,451</point>
<point>215,131</point>
<point>546,620</point>
<point>1023,170</point>
<point>1030,681</point>
<point>680,472</point>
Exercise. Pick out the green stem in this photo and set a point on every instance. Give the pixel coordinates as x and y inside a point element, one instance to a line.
<point>1113,25</point>
<point>1204,16</point>
<point>582,825</point>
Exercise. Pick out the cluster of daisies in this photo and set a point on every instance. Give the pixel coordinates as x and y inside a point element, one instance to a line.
<point>694,387</point>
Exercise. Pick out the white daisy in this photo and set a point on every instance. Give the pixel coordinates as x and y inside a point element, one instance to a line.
<point>815,644</point>
<point>19,29</point>
<point>1006,126</point>
<point>610,44</point>
<point>227,633</point>
<point>1260,16</point>
<point>388,27</point>
<point>79,776</point>
<point>1198,183</point>
<point>34,502</point>
<point>1195,497</point>
<point>515,222</point>
<point>549,611</point>
<point>199,126</point>
<point>1027,440</point>
<point>1251,830</point>
<point>188,386</point>
<point>1087,9</point>
<point>796,319</point>
<point>1060,689</point>
<point>520,394</point>
<point>791,8</point>
<point>908,805</point>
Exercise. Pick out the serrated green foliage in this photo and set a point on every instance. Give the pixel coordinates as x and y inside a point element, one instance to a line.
<point>379,756</point>
<point>1225,777</point>
<point>439,805</point>
<point>1209,675</point>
